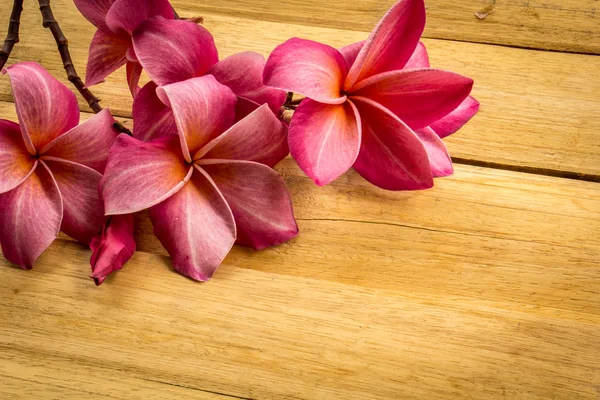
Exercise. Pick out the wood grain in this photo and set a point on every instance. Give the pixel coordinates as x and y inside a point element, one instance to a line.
<point>564,25</point>
<point>487,286</point>
<point>539,110</point>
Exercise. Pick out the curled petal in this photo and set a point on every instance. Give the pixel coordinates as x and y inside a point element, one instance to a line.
<point>16,164</point>
<point>30,217</point>
<point>242,73</point>
<point>244,107</point>
<point>417,97</point>
<point>196,227</point>
<point>128,15</point>
<point>310,68</point>
<point>95,11</point>
<point>439,159</point>
<point>107,54</point>
<point>259,200</point>
<point>457,118</point>
<point>259,137</point>
<point>46,108</point>
<point>391,43</point>
<point>203,109</point>
<point>324,139</point>
<point>87,144</point>
<point>351,51</point>
<point>82,209</point>
<point>134,72</point>
<point>391,155</point>
<point>151,117</point>
<point>139,175</point>
<point>174,50</point>
<point>419,59</point>
<point>113,247</point>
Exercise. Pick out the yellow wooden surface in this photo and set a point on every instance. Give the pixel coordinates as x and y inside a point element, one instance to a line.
<point>530,99</point>
<point>565,25</point>
<point>486,286</point>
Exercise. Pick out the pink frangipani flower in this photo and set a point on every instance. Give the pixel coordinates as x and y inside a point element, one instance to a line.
<point>208,186</point>
<point>363,107</point>
<point>50,167</point>
<point>111,47</point>
<point>175,50</point>
<point>439,159</point>
<point>113,247</point>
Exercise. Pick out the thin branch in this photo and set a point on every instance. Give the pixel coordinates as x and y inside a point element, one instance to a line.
<point>12,36</point>
<point>65,55</point>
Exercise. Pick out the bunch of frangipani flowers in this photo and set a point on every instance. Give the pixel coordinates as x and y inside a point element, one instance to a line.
<point>208,132</point>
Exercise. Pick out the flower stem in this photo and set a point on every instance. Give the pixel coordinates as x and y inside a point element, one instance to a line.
<point>12,37</point>
<point>65,55</point>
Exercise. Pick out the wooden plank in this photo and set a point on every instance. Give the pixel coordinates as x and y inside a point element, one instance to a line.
<point>487,286</point>
<point>564,25</point>
<point>539,109</point>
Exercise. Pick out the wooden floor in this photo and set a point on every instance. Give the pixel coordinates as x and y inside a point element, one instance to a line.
<point>484,287</point>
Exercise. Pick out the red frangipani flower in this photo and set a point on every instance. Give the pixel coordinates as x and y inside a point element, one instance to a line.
<point>439,159</point>
<point>209,185</point>
<point>113,247</point>
<point>175,50</point>
<point>49,166</point>
<point>111,47</point>
<point>363,112</point>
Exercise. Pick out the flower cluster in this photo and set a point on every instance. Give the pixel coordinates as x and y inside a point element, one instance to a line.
<point>208,132</point>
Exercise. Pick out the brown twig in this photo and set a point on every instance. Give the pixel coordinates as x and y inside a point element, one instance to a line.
<point>13,32</point>
<point>65,55</point>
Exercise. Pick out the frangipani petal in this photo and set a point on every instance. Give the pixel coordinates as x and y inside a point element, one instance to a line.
<point>417,97</point>
<point>309,68</point>
<point>203,109</point>
<point>113,247</point>
<point>46,108</point>
<point>30,217</point>
<point>174,50</point>
<point>324,139</point>
<point>457,118</point>
<point>391,155</point>
<point>259,200</point>
<point>94,11</point>
<point>196,227</point>
<point>87,144</point>
<point>16,164</point>
<point>244,107</point>
<point>127,15</point>
<point>151,117</point>
<point>419,59</point>
<point>107,54</point>
<point>439,159</point>
<point>242,73</point>
<point>351,51</point>
<point>140,175</point>
<point>82,209</point>
<point>259,137</point>
<point>134,72</point>
<point>391,43</point>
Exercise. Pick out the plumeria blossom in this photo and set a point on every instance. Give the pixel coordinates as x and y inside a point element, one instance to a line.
<point>363,106</point>
<point>111,47</point>
<point>113,247</point>
<point>439,159</point>
<point>208,186</point>
<point>175,50</point>
<point>50,166</point>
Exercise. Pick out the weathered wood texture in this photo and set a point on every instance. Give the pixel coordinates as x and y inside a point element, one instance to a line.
<point>564,25</point>
<point>539,110</point>
<point>488,286</point>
